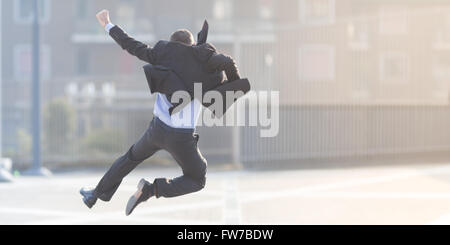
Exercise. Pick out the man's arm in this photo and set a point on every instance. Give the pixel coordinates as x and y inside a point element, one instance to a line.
<point>134,47</point>
<point>221,62</point>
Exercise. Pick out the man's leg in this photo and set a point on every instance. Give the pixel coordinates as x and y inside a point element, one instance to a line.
<point>143,149</point>
<point>183,147</point>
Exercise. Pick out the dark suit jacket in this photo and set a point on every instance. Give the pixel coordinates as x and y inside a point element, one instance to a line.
<point>174,66</point>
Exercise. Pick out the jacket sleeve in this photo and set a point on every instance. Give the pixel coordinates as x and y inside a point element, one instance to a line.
<point>134,47</point>
<point>240,85</point>
<point>221,62</point>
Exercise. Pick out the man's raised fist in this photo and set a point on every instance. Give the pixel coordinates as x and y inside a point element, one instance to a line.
<point>103,17</point>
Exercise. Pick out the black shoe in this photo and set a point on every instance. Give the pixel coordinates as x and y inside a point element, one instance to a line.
<point>89,197</point>
<point>143,193</point>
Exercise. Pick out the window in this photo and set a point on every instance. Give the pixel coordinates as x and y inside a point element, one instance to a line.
<point>316,63</point>
<point>126,14</point>
<point>222,9</point>
<point>126,63</point>
<point>442,38</point>
<point>82,9</point>
<point>83,62</point>
<point>441,75</point>
<point>393,21</point>
<point>23,11</point>
<point>441,68</point>
<point>394,67</point>
<point>317,12</point>
<point>358,34</point>
<point>266,9</point>
<point>23,62</point>
<point>360,75</point>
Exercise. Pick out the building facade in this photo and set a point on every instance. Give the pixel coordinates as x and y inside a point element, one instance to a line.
<point>343,68</point>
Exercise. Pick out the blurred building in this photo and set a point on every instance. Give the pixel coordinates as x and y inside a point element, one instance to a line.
<point>371,52</point>
<point>104,85</point>
<point>356,77</point>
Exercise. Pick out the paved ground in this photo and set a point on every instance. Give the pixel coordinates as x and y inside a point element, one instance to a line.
<point>418,194</point>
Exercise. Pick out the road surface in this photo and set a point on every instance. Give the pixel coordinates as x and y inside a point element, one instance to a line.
<point>416,194</point>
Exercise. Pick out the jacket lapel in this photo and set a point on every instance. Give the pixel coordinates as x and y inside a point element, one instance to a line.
<point>202,36</point>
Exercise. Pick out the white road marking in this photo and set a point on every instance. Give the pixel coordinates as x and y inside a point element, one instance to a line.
<point>230,203</point>
<point>231,206</point>
<point>179,207</point>
<point>376,195</point>
<point>80,218</point>
<point>38,212</point>
<point>113,217</point>
<point>341,184</point>
<point>442,220</point>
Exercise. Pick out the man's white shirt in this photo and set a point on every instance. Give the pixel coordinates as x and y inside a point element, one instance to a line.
<point>186,118</point>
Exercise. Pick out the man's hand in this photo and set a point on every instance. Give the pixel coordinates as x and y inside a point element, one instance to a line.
<point>103,17</point>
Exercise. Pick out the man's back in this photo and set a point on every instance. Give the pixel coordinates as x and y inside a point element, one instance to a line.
<point>176,67</point>
<point>194,63</point>
<point>189,63</point>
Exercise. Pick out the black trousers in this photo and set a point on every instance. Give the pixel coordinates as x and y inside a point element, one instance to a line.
<point>180,143</point>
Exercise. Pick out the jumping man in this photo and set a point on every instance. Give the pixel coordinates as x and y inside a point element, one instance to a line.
<point>173,65</point>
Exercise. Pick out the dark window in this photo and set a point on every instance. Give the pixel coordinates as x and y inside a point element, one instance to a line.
<point>82,62</point>
<point>82,9</point>
<point>24,10</point>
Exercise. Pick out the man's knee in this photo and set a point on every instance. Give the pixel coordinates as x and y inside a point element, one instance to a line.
<point>199,178</point>
<point>202,181</point>
<point>199,183</point>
